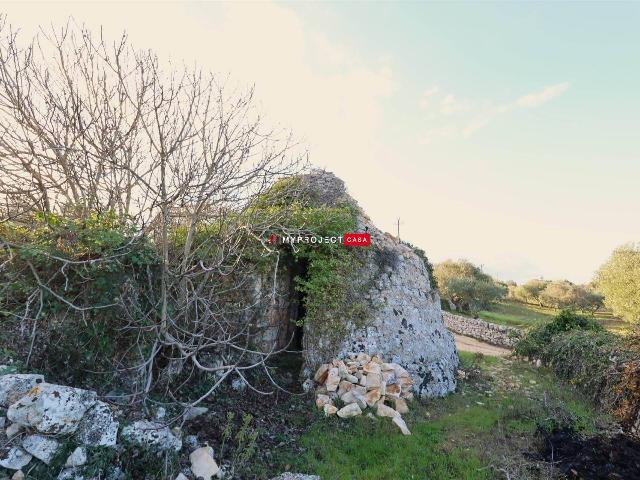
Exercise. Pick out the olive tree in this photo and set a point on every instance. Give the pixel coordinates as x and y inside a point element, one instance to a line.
<point>466,286</point>
<point>618,279</point>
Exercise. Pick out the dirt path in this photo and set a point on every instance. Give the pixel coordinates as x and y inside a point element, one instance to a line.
<point>468,344</point>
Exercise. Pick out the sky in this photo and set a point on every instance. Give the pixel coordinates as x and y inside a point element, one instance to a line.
<point>504,133</point>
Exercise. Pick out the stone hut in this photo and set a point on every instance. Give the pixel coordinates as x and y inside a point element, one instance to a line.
<point>405,323</point>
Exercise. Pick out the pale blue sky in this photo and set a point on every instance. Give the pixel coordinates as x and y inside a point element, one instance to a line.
<point>506,133</point>
<point>544,191</point>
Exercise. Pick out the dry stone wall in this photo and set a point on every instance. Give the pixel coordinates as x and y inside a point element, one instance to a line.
<point>500,335</point>
<point>405,322</point>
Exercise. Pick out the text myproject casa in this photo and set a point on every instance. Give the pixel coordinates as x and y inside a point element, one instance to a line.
<point>348,239</point>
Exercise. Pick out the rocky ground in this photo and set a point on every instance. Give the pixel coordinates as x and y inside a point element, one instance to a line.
<point>507,419</point>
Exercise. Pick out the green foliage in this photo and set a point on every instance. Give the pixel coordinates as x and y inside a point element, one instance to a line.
<point>240,445</point>
<point>536,342</point>
<point>330,291</point>
<point>557,294</point>
<point>619,281</point>
<point>427,264</point>
<point>61,269</point>
<point>374,450</point>
<point>530,291</point>
<point>600,364</point>
<point>466,286</point>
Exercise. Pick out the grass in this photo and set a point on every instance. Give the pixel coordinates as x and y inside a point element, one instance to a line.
<point>479,432</point>
<point>522,315</point>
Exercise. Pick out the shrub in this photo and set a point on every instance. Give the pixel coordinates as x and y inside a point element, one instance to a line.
<point>603,366</point>
<point>537,340</point>
<point>71,264</point>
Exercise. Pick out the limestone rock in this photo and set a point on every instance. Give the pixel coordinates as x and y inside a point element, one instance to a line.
<point>41,447</point>
<point>71,474</point>
<point>15,386</point>
<point>372,397</point>
<point>372,367</point>
<point>202,463</point>
<point>52,409</point>
<point>401,425</point>
<point>77,458</point>
<point>15,458</point>
<point>333,380</point>
<point>343,387</point>
<point>351,378</point>
<point>322,400</point>
<point>401,405</point>
<point>351,410</point>
<point>393,390</point>
<point>329,410</point>
<point>152,435</point>
<point>19,475</point>
<point>321,373</point>
<point>13,429</point>
<point>374,380</point>
<point>385,411</point>
<point>353,396</point>
<point>98,427</point>
<point>193,412</point>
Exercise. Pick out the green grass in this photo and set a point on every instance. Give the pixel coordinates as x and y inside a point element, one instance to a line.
<point>522,315</point>
<point>484,427</point>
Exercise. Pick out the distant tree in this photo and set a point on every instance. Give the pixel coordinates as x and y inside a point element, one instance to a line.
<point>466,286</point>
<point>587,299</point>
<point>559,294</point>
<point>530,292</point>
<point>619,281</point>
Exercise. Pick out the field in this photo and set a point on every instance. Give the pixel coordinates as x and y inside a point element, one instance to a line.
<point>526,315</point>
<point>489,429</point>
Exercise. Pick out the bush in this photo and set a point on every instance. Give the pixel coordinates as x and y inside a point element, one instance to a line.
<point>537,340</point>
<point>57,270</point>
<point>602,365</point>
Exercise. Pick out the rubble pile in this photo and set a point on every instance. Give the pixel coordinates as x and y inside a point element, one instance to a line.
<point>348,387</point>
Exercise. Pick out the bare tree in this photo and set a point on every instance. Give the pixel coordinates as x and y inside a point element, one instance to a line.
<point>88,126</point>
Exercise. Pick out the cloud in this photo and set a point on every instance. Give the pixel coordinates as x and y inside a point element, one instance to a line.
<point>425,101</point>
<point>306,80</point>
<point>534,100</point>
<point>460,117</point>
<point>451,105</point>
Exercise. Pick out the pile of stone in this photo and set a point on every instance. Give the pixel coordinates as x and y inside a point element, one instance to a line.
<point>347,387</point>
<point>41,417</point>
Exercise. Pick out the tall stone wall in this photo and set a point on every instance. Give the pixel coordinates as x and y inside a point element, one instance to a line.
<point>500,335</point>
<point>406,327</point>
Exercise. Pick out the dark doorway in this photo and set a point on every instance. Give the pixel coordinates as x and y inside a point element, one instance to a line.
<point>297,310</point>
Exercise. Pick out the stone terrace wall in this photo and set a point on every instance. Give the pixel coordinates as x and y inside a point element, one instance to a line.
<point>499,335</point>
